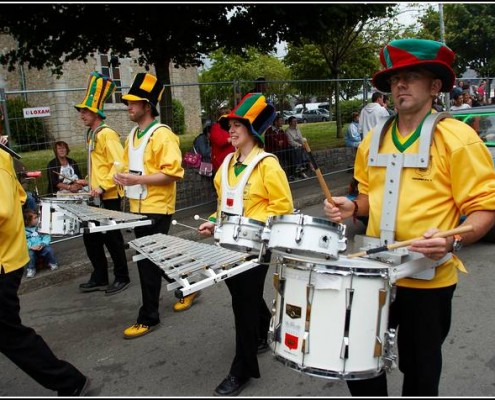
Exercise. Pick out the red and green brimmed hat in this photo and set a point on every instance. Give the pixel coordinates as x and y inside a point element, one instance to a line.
<point>100,87</point>
<point>255,112</point>
<point>406,53</point>
<point>145,87</point>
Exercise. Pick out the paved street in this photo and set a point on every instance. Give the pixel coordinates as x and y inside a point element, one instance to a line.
<point>191,352</point>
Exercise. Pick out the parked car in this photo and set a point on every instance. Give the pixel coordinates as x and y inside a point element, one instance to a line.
<point>316,115</point>
<point>286,114</point>
<point>482,120</point>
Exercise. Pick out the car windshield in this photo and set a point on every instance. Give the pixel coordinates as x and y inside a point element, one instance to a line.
<point>482,120</point>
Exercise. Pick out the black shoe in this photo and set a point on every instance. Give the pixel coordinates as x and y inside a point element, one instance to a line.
<point>79,391</point>
<point>92,286</point>
<point>263,346</point>
<point>116,287</point>
<point>230,386</point>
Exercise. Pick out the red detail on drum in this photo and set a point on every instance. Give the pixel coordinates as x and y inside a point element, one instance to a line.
<point>291,341</point>
<point>230,202</point>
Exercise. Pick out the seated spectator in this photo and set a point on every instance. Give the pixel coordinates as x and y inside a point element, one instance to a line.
<point>202,144</point>
<point>63,172</point>
<point>296,141</point>
<point>458,100</point>
<point>352,136</point>
<point>38,244</point>
<point>276,142</point>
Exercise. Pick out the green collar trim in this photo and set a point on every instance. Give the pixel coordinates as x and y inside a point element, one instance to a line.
<point>141,134</point>
<point>395,137</point>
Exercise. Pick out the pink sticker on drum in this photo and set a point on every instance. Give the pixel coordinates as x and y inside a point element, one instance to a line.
<point>291,341</point>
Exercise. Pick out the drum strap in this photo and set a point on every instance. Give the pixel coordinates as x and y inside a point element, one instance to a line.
<point>394,163</point>
<point>233,196</point>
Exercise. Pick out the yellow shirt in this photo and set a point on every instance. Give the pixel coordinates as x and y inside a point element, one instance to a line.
<point>460,179</point>
<point>107,150</point>
<point>162,154</point>
<point>267,191</point>
<point>13,244</point>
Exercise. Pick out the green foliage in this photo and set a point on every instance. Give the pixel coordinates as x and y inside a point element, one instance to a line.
<point>178,117</point>
<point>229,71</point>
<point>26,133</point>
<point>347,107</point>
<point>469,32</point>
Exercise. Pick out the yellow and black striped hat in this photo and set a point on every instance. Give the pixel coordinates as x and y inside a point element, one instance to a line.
<point>145,87</point>
<point>100,87</point>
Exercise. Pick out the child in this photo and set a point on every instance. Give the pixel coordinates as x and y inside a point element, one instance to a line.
<point>38,244</point>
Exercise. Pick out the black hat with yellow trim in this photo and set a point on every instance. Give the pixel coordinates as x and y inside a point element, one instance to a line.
<point>100,87</point>
<point>146,87</point>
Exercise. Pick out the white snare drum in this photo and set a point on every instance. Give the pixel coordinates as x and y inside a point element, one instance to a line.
<point>56,221</point>
<point>307,236</point>
<point>331,320</point>
<point>240,233</point>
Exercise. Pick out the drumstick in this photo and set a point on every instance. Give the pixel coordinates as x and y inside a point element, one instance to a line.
<point>10,151</point>
<point>441,234</point>
<point>174,222</point>
<point>315,167</point>
<point>197,217</point>
<point>73,194</point>
<point>63,176</point>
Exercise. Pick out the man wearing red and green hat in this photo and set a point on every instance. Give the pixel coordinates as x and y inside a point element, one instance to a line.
<point>418,172</point>
<point>104,151</point>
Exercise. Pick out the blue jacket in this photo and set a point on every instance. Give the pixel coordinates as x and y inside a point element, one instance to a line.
<point>34,238</point>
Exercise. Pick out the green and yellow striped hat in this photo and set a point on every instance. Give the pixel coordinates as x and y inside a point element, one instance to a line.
<point>253,110</point>
<point>100,87</point>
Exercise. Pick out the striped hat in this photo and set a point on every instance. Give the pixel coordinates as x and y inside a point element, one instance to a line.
<point>254,111</point>
<point>406,53</point>
<point>100,87</point>
<point>145,87</point>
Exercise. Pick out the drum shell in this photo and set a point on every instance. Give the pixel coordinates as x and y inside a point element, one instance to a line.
<point>307,236</point>
<point>314,343</point>
<point>240,233</point>
<point>56,221</point>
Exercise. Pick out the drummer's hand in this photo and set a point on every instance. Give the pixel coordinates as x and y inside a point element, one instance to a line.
<point>434,248</point>
<point>126,179</point>
<point>74,187</point>
<point>206,228</point>
<point>96,192</point>
<point>342,209</point>
<point>81,182</point>
<point>4,139</point>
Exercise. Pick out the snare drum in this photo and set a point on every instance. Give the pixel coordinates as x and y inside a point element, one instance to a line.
<point>55,220</point>
<point>240,233</point>
<point>331,321</point>
<point>307,236</point>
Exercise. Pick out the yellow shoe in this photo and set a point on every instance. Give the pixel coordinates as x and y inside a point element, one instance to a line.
<point>186,303</point>
<point>137,330</point>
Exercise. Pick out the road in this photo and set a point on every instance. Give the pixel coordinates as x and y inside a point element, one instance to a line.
<point>191,352</point>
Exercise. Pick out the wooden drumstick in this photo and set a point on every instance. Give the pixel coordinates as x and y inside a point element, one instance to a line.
<point>321,180</point>
<point>396,245</point>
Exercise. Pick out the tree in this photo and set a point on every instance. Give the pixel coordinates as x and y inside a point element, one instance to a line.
<point>469,31</point>
<point>332,28</point>
<point>231,71</point>
<point>162,33</point>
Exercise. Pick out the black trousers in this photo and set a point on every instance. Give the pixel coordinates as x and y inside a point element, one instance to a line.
<point>422,318</point>
<point>114,241</point>
<point>150,275</point>
<point>26,349</point>
<point>252,319</point>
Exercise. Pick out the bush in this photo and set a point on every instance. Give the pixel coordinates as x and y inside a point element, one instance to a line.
<point>178,117</point>
<point>347,107</point>
<point>27,134</point>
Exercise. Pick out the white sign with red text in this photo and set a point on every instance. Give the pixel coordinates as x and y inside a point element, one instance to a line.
<point>36,112</point>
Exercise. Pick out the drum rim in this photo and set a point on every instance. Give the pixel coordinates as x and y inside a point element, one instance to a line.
<point>242,219</point>
<point>307,219</point>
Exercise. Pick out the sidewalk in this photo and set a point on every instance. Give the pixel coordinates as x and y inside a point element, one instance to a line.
<point>74,263</point>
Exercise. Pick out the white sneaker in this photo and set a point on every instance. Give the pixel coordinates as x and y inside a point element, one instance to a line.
<point>31,273</point>
<point>53,267</point>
